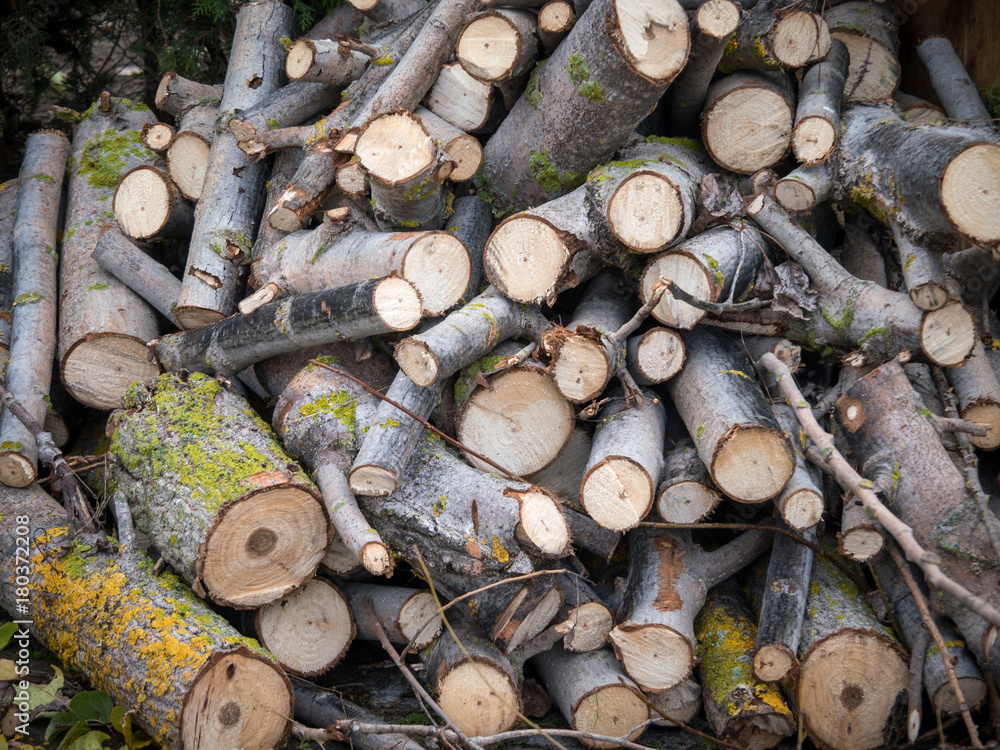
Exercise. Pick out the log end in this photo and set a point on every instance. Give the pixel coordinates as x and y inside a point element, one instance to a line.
<point>372,481</point>
<point>189,317</point>
<point>556,17</point>
<point>748,128</point>
<point>310,632</point>
<point>590,622</point>
<point>646,212</point>
<point>689,275</point>
<point>617,493</point>
<point>395,148</point>
<point>686,502</point>
<point>300,59</point>
<point>439,266</point>
<point>466,153</point>
<point>417,361</point>
<point>16,470</point>
<point>874,64</point>
<point>773,663</point>
<point>800,38</point>
<point>659,355</point>
<point>795,195</point>
<point>985,412</point>
<point>718,19</point>
<point>488,47</point>
<point>653,36</point>
<point>860,543</point>
<point>99,368</point>
<point>948,334</point>
<point>420,621</point>
<point>802,509</point>
<point>655,656</point>
<point>143,202</point>
<point>187,161</point>
<point>813,140</point>
<point>973,689</point>
<point>376,559</point>
<point>929,296</point>
<point>157,136</point>
<point>526,257</point>
<point>479,696</point>
<point>752,463</point>
<point>510,631</point>
<point>970,192</point>
<point>581,369</point>
<point>610,711</point>
<point>397,304</point>
<point>542,523</point>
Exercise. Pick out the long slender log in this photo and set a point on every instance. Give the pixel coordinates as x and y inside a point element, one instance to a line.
<point>33,329</point>
<point>593,693</point>
<point>464,150</point>
<point>471,223</point>
<point>190,679</point>
<point>801,501</point>
<point>686,494</point>
<point>409,617</point>
<point>626,461</point>
<point>130,264</point>
<point>738,706</point>
<point>346,313</point>
<point>605,65</point>
<point>466,335</point>
<point>231,198</point>
<point>868,30</point>
<point>386,11</point>
<point>336,62</point>
<point>472,106</point>
<point>148,206</point>
<point>282,171</point>
<point>184,452</point>
<point>772,36</point>
<point>669,577</point>
<point>8,210</point>
<point>712,28</point>
<point>951,82</point>
<point>817,113</point>
<point>103,326</point>
<point>289,105</point>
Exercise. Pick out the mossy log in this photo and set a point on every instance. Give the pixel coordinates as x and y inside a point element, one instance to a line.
<point>626,460</point>
<point>234,189</point>
<point>851,688</point>
<point>8,210</point>
<point>771,36</point>
<point>654,356</point>
<point>723,406</point>
<point>146,640</point>
<point>148,206</point>
<point>408,617</point>
<point>869,31</point>
<point>206,479</point>
<point>33,328</point>
<point>465,521</point>
<point>668,579</point>
<point>472,106</point>
<point>342,314</point>
<point>686,494</point>
<point>497,45</point>
<point>817,113</point>
<point>103,325</point>
<point>593,694</point>
<point>739,707</point>
<point>465,336</point>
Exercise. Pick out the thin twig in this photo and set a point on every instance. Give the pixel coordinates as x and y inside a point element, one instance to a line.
<point>719,308</point>
<point>943,652</point>
<point>864,490</point>
<point>619,337</point>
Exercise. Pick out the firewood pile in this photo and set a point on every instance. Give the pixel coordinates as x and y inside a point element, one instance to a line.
<point>654,337</point>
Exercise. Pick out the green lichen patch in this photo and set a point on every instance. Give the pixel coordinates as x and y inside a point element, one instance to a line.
<point>30,298</point>
<point>469,375</point>
<point>104,159</point>
<point>593,91</point>
<point>97,287</point>
<point>578,72</point>
<point>532,92</point>
<point>43,177</point>
<point>548,177</point>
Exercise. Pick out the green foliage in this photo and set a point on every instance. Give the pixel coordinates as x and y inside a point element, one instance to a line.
<point>88,712</point>
<point>992,98</point>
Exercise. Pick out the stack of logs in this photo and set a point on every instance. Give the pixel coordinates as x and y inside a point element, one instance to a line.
<point>529,299</point>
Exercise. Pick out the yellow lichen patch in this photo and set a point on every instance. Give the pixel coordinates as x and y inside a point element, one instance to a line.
<point>500,552</point>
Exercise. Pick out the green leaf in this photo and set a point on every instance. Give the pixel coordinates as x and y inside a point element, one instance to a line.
<point>90,741</point>
<point>42,695</point>
<point>59,724</point>
<point>119,717</point>
<point>3,742</point>
<point>92,705</point>
<point>77,730</point>
<point>121,720</point>
<point>7,631</point>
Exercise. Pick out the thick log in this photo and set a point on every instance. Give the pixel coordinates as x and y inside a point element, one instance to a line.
<point>686,494</point>
<point>712,28</point>
<point>747,120</point>
<point>343,314</point>
<point>466,335</point>
<point>606,64</point>
<point>119,256</point>
<point>148,206</point>
<point>472,106</point>
<point>626,461</point>
<point>593,694</point>
<point>336,62</point>
<point>464,150</point>
<point>189,679</point>
<point>804,188</point>
<point>308,633</point>
<point>817,114</point>
<point>319,707</point>
<point>868,30</point>
<point>103,326</point>
<point>8,210</point>
<point>498,45</point>
<point>801,501</point>
<point>227,214</point>
<point>515,417</point>
<point>772,36</point>
<point>408,617</point>
<point>978,392</point>
<point>563,476</point>
<point>853,671</point>
<point>387,11</point>
<point>555,19</point>
<point>33,329</point>
<point>917,111</point>
<point>722,405</point>
<point>738,707</point>
<point>655,356</point>
<point>668,579</point>
<point>206,479</point>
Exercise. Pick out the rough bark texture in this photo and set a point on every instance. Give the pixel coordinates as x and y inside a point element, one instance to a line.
<point>130,264</point>
<point>8,210</point>
<point>207,480</point>
<point>817,114</point>
<point>103,325</point>
<point>343,314</point>
<point>145,640</point>
<point>951,82</point>
<point>978,392</point>
<point>472,223</point>
<point>868,30</point>
<point>33,330</point>
<point>318,707</point>
<point>686,494</point>
<point>560,128</point>
<point>227,213</point>
<point>289,105</point>
<point>772,36</point>
<point>408,617</point>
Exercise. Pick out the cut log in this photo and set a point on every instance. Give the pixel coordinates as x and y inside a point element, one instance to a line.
<point>319,416</point>
<point>156,136</point>
<point>747,120</point>
<point>464,151</point>
<point>405,169</point>
<point>923,272</point>
<point>498,45</point>
<point>772,36</point>
<point>681,703</point>
<point>177,95</point>
<point>207,481</point>
<point>722,405</point>
<point>907,617</point>
<point>916,111</point>
<point>851,688</point>
<point>555,19</point>
<point>801,501</point>
<point>868,30</point>
<point>319,707</point>
<point>282,171</point>
<point>621,54</point>
<point>655,356</point>
<point>563,476</point>
<point>8,210</point>
<point>335,62</point>
<point>193,681</point>
<point>33,329</point>
<point>147,206</point>
<point>779,592</point>
<point>757,346</point>
<point>712,28</point>
<point>227,215</point>
<point>978,392</point>
<point>515,417</point>
<point>588,618</point>
<point>464,521</point>
<point>475,685</point>
<point>436,264</point>
<point>408,617</point>
<point>471,223</point>
<point>804,188</point>
<point>387,11</point>
<point>195,107</point>
<point>593,694</point>
<point>346,313</point>
<point>686,494</point>
<point>472,106</point>
<point>466,335</point>
<point>817,114</point>
<point>860,538</point>
<point>272,141</point>
<point>738,707</point>
<point>668,579</point>
<point>119,256</point>
<point>951,82</point>
<point>309,632</point>
<point>351,180</point>
<point>289,105</point>
<point>718,265</point>
<point>339,561</point>
<point>626,461</point>
<point>103,326</point>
